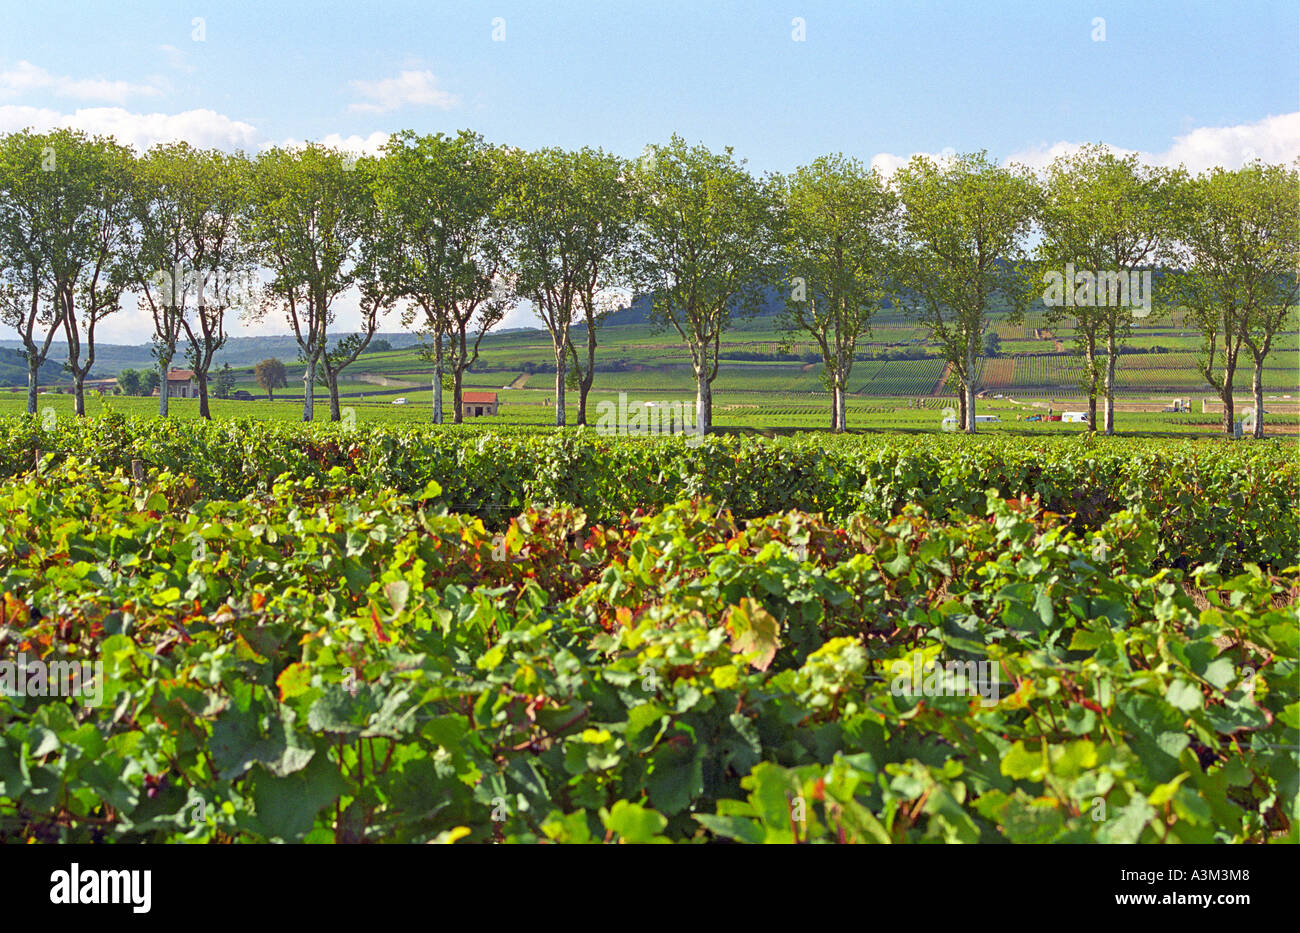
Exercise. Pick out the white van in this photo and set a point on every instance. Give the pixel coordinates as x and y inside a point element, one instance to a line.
<point>399,401</point>
<point>1074,417</point>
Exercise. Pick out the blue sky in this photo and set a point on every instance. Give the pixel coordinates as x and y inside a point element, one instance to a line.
<point>1196,82</point>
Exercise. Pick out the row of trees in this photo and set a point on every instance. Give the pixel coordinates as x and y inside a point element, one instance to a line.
<point>84,222</point>
<point>453,231</point>
<point>950,241</point>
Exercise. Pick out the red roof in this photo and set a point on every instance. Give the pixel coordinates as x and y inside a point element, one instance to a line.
<point>180,375</point>
<point>479,398</point>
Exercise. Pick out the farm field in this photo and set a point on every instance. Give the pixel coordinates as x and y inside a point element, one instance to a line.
<point>648,360</point>
<point>325,633</point>
<point>640,359</point>
<point>752,411</point>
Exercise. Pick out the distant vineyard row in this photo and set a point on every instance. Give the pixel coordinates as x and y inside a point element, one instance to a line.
<point>1144,371</point>
<point>1136,372</point>
<point>1226,503</point>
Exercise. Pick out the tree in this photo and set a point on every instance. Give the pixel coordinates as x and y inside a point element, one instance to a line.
<point>149,381</point>
<point>86,254</point>
<point>374,274</point>
<point>29,208</point>
<point>220,256</point>
<point>704,249</point>
<point>309,207</point>
<point>1237,233</point>
<point>568,220</point>
<point>128,382</point>
<point>270,376</point>
<point>992,344</point>
<point>1105,216</point>
<point>157,259</point>
<point>838,245</point>
<point>225,382</point>
<point>380,346</point>
<point>441,193</point>
<point>964,225</point>
<point>1273,189</point>
<point>62,228</point>
<point>596,305</point>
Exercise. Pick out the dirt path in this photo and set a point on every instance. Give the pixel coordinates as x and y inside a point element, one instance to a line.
<point>520,381</point>
<point>940,386</point>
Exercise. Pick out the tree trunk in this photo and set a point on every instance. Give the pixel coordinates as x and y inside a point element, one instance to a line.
<point>1090,354</point>
<point>703,402</point>
<point>204,411</point>
<point>309,390</point>
<point>1110,383</point>
<point>437,380</point>
<point>79,394</point>
<point>559,387</point>
<point>33,375</point>
<point>968,384</point>
<point>333,379</point>
<point>588,375</point>
<point>164,365</point>
<point>457,409</point>
<point>1229,374</point>
<point>584,386</point>
<point>1257,384</point>
<point>1228,411</point>
<point>839,407</point>
<point>961,408</point>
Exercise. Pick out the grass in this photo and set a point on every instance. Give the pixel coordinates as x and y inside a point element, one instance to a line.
<point>779,394</point>
<point>751,411</point>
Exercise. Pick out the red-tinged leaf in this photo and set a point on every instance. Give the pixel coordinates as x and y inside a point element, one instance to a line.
<point>379,628</point>
<point>15,611</point>
<point>293,680</point>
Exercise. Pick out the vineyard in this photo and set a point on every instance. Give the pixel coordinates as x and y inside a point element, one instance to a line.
<point>1135,372</point>
<point>333,634</point>
<point>899,377</point>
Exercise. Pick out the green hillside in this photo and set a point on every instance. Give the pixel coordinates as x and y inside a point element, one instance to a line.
<point>766,380</point>
<point>757,358</point>
<point>13,368</point>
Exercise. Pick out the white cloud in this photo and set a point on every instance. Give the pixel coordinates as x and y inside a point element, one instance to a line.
<point>887,163</point>
<point>1040,156</point>
<point>415,88</point>
<point>1273,139</point>
<point>26,78</point>
<point>360,145</point>
<point>200,128</point>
